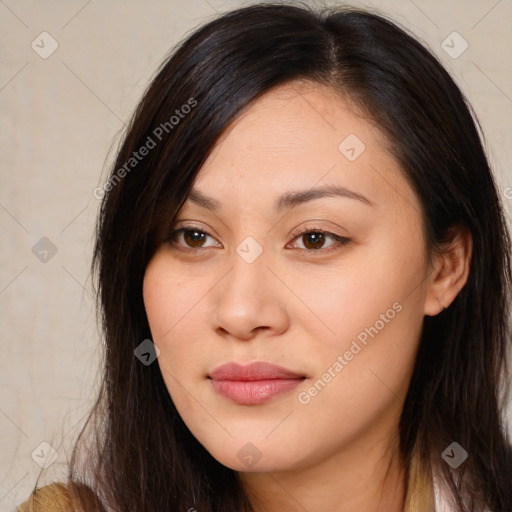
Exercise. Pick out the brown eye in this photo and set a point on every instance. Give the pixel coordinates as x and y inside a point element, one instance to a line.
<point>194,238</point>
<point>189,237</point>
<point>313,240</point>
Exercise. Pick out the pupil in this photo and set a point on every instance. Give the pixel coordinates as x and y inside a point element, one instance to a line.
<point>194,234</point>
<point>316,243</point>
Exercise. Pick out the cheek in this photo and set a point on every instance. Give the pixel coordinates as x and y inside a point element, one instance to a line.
<point>362,377</point>
<point>175,313</point>
<point>171,296</point>
<point>369,311</point>
<point>337,303</point>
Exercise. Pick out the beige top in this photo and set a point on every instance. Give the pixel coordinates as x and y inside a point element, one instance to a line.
<point>426,498</point>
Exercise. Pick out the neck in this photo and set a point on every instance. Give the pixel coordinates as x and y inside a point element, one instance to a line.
<point>365,477</point>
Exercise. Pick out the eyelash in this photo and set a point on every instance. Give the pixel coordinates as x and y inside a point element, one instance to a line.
<point>340,240</point>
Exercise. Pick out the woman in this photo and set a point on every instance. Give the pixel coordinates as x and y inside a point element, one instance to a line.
<point>304,279</point>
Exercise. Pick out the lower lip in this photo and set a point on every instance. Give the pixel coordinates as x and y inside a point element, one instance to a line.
<point>254,392</point>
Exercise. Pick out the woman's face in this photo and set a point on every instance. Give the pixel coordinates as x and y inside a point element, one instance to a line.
<point>253,279</point>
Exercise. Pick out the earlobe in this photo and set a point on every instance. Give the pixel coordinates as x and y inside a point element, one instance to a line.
<point>450,271</point>
<point>442,307</point>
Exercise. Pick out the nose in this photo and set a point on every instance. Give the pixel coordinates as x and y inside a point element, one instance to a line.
<point>250,299</point>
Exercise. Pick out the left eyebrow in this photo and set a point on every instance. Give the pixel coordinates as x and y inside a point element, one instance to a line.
<point>292,199</point>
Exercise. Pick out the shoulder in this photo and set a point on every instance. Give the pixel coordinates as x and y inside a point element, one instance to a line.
<point>56,497</point>
<point>51,498</point>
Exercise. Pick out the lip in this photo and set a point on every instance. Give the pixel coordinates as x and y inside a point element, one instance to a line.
<point>255,383</point>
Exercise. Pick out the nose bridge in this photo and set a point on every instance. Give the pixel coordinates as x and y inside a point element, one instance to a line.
<point>248,297</point>
<point>249,250</point>
<point>248,263</point>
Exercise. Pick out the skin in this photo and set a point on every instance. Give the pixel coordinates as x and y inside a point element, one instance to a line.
<point>207,306</point>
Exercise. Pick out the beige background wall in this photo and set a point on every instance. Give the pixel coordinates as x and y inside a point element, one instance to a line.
<point>59,117</point>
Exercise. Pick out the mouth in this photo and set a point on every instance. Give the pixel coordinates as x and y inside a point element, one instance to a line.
<point>253,384</point>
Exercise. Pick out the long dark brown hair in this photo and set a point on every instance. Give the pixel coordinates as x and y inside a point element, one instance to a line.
<point>143,456</point>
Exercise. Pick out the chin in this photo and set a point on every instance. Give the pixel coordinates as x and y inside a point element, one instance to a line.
<point>255,456</point>
<point>262,465</point>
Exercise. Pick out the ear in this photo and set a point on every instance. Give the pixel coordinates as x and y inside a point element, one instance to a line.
<point>450,270</point>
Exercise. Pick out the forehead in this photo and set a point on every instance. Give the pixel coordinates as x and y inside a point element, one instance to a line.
<point>293,119</point>
<point>297,136</point>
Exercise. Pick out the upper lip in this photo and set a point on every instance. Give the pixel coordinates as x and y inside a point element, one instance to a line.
<point>254,371</point>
